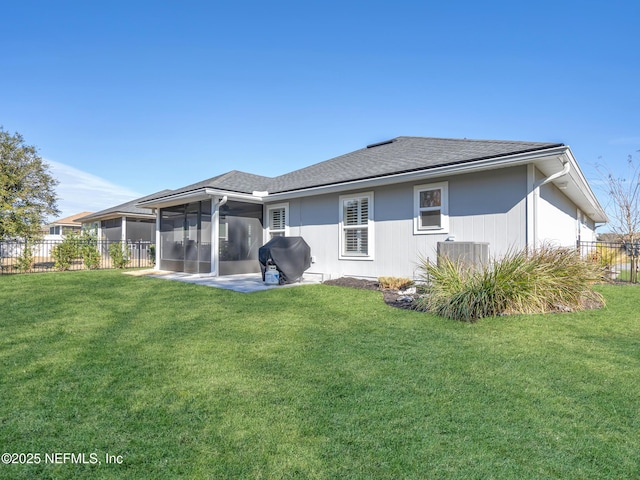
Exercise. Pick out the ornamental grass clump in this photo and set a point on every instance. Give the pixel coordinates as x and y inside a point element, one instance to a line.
<point>545,280</point>
<point>395,283</point>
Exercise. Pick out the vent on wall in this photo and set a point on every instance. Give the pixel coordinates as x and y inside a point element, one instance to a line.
<point>474,253</point>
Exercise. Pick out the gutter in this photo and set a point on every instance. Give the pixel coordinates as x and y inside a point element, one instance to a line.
<point>117,214</point>
<point>452,169</point>
<point>202,193</point>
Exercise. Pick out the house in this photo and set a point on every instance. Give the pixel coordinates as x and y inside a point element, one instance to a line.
<point>378,210</point>
<point>123,223</point>
<point>58,228</point>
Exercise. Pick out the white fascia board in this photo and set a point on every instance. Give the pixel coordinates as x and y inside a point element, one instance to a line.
<point>128,215</point>
<point>109,216</point>
<point>589,203</point>
<point>196,195</point>
<point>256,197</point>
<point>175,199</point>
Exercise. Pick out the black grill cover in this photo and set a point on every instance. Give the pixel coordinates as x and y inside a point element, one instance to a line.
<point>290,255</point>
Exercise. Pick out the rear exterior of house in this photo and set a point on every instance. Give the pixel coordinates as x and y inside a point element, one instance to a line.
<point>379,210</point>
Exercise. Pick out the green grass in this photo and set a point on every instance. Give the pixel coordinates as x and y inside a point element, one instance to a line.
<point>624,275</point>
<point>185,381</point>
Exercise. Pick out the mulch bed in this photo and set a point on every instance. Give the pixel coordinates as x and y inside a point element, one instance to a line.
<point>390,296</point>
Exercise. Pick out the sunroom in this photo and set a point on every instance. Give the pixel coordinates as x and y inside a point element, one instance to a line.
<point>208,232</point>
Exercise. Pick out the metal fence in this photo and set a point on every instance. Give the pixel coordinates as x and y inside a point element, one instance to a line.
<point>619,259</point>
<point>19,256</point>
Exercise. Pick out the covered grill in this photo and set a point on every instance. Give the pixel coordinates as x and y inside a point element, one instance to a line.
<point>290,255</point>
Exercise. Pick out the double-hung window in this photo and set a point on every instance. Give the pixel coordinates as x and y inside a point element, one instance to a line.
<point>277,216</point>
<point>356,226</point>
<point>431,208</point>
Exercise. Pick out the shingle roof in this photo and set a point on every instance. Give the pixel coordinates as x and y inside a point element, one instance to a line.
<point>70,220</point>
<point>402,154</point>
<point>399,155</point>
<point>124,208</point>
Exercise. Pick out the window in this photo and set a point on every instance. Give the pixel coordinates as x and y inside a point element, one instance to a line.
<point>278,220</point>
<point>431,208</point>
<point>54,230</point>
<point>356,225</point>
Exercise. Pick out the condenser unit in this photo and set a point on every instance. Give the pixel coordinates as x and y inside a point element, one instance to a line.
<point>473,253</point>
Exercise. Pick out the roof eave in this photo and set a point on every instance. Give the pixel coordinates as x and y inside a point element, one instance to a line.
<point>204,193</point>
<point>117,214</point>
<point>581,193</point>
<point>589,202</point>
<point>451,169</point>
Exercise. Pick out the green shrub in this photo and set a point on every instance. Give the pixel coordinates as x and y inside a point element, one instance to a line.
<point>89,249</point>
<point>67,251</point>
<point>152,253</point>
<point>395,283</point>
<point>25,261</point>
<point>545,280</point>
<point>119,254</point>
<point>90,257</point>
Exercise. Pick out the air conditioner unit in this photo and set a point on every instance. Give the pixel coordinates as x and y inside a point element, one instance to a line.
<point>473,253</point>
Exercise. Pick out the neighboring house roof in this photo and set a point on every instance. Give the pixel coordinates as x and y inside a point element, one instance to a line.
<point>128,209</point>
<point>70,221</point>
<point>396,158</point>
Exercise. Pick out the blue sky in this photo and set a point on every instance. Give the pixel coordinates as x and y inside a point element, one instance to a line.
<point>125,98</point>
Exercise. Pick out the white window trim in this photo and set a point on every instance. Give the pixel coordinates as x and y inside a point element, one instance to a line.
<point>370,226</point>
<point>278,206</point>
<point>444,208</point>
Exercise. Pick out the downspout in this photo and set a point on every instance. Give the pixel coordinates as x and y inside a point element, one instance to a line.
<point>566,167</point>
<point>215,240</point>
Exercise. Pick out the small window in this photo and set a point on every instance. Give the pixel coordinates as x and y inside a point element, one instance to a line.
<point>278,220</point>
<point>356,225</point>
<point>54,230</point>
<point>431,208</point>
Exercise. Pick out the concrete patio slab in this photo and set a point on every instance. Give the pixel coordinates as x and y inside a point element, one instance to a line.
<point>245,283</point>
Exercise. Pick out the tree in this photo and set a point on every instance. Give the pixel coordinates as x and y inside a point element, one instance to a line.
<point>27,189</point>
<point>624,209</point>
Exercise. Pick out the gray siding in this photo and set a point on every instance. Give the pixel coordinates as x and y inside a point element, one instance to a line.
<point>484,207</point>
<point>490,207</point>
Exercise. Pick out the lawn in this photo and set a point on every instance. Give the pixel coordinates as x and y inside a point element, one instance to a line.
<point>173,380</point>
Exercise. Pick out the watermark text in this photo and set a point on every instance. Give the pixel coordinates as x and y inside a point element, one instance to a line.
<point>60,458</point>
